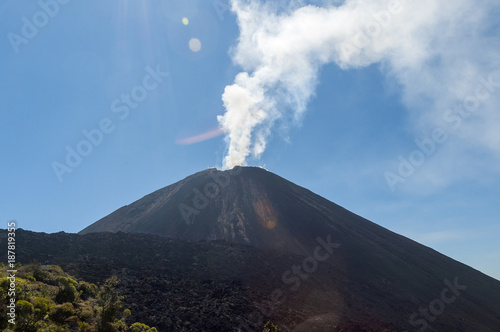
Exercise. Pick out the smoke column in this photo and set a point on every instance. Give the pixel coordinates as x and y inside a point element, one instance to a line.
<point>427,46</point>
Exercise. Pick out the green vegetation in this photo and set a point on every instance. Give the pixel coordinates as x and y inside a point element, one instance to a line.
<point>139,327</point>
<point>270,327</point>
<point>49,300</point>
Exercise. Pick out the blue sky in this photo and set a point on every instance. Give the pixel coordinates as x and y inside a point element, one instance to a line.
<point>359,111</point>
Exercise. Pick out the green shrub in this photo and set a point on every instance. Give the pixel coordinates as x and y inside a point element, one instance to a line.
<point>4,285</point>
<point>62,312</point>
<point>24,307</point>
<point>43,326</point>
<point>87,290</point>
<point>67,290</point>
<point>127,313</point>
<point>270,327</point>
<point>109,303</point>
<point>86,313</point>
<point>40,275</point>
<point>84,326</point>
<point>42,303</point>
<point>51,301</point>
<point>139,327</point>
<point>25,316</point>
<point>48,274</point>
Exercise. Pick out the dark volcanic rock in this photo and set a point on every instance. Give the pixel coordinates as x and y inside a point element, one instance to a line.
<point>177,285</point>
<point>217,286</point>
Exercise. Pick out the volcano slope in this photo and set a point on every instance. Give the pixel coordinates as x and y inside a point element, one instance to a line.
<point>270,250</point>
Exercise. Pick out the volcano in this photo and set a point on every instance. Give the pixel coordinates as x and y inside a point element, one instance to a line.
<point>353,270</point>
<point>246,205</point>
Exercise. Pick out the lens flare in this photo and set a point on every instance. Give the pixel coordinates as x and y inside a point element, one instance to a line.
<point>200,137</point>
<point>195,45</point>
<point>266,213</point>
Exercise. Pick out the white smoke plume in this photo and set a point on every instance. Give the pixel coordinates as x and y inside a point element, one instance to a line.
<point>437,50</point>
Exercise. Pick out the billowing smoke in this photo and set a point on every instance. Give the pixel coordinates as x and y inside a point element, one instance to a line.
<point>437,50</point>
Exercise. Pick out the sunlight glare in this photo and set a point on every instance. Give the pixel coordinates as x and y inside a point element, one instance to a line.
<point>194,44</point>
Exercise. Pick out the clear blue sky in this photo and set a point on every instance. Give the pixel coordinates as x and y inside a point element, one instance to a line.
<point>72,73</point>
